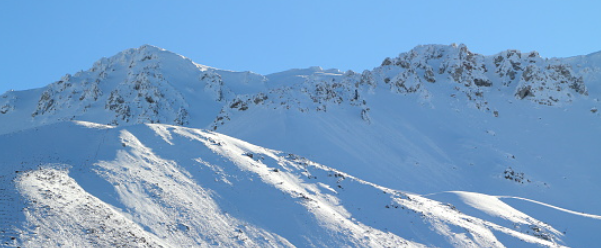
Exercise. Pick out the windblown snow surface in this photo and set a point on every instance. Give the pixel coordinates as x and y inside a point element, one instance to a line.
<point>438,147</point>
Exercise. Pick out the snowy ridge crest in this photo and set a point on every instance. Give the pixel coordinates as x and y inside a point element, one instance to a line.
<point>151,85</point>
<point>421,71</point>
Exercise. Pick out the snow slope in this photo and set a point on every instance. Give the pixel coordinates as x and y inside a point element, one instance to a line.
<point>160,185</point>
<point>446,147</point>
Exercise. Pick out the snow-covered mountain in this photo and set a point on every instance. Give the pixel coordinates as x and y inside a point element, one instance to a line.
<point>436,147</point>
<point>151,85</point>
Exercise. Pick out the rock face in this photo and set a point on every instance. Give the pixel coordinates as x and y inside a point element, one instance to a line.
<point>151,85</point>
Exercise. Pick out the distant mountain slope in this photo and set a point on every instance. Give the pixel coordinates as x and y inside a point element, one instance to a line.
<point>159,185</point>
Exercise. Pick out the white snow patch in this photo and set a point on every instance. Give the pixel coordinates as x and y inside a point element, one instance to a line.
<point>90,124</point>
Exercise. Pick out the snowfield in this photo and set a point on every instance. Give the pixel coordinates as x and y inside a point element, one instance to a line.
<point>438,147</point>
<point>161,185</point>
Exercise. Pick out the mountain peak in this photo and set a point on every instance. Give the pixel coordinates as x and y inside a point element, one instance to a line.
<point>146,48</point>
<point>138,85</point>
<point>143,53</point>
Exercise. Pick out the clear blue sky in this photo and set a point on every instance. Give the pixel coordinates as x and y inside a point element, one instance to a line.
<point>43,40</point>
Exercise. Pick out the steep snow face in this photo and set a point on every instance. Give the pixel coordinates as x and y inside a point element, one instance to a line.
<point>157,185</point>
<point>544,153</point>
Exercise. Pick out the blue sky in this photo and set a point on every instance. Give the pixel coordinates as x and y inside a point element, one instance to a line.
<point>43,40</point>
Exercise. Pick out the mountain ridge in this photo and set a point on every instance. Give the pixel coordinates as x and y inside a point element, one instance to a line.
<point>143,76</point>
<point>438,146</point>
